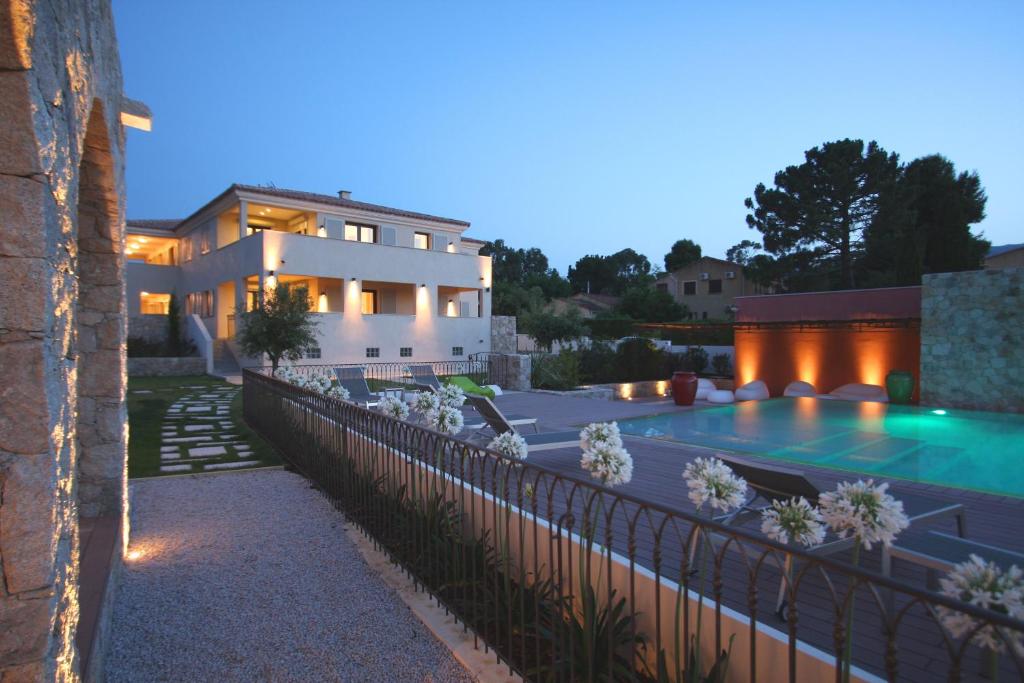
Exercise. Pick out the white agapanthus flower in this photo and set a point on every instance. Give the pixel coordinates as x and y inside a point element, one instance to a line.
<point>451,395</point>
<point>338,391</point>
<point>446,419</point>
<point>318,382</point>
<point>984,584</point>
<point>509,444</point>
<point>600,432</point>
<point>795,520</point>
<point>864,510</point>
<point>425,402</point>
<point>610,463</point>
<point>393,407</point>
<point>711,481</point>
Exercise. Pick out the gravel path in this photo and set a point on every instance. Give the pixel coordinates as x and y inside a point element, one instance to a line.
<point>249,576</point>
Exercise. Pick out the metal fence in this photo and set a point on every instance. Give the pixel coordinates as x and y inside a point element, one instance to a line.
<point>567,580</point>
<point>396,374</point>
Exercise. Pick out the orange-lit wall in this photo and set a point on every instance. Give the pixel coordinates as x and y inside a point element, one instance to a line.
<point>827,358</point>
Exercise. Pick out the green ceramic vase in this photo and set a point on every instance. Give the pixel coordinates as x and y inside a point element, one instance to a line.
<point>900,385</point>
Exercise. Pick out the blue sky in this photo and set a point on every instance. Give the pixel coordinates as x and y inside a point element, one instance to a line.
<point>576,127</point>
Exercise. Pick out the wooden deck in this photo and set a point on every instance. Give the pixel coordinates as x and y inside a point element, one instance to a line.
<point>658,468</point>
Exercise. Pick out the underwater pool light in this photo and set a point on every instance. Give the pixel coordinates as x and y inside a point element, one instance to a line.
<point>938,412</point>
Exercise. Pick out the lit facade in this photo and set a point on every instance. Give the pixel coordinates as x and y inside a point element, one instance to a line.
<point>384,284</point>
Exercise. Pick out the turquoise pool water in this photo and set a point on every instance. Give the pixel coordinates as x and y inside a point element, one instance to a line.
<point>962,449</point>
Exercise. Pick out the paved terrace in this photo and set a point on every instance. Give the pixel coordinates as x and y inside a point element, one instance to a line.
<point>250,576</point>
<point>657,477</point>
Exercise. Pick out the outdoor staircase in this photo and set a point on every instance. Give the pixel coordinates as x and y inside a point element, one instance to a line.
<point>224,362</point>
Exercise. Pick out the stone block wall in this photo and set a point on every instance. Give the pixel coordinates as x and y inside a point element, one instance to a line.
<point>63,431</point>
<point>972,340</point>
<point>152,328</point>
<point>503,334</point>
<point>166,367</point>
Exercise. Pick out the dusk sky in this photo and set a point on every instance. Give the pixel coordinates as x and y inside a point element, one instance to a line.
<point>574,127</point>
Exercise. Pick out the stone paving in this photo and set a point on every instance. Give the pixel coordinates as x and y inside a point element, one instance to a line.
<point>198,435</point>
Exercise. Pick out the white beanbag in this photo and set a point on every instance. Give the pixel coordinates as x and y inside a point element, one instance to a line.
<point>704,387</point>
<point>798,388</point>
<point>860,392</point>
<point>720,396</point>
<point>753,391</point>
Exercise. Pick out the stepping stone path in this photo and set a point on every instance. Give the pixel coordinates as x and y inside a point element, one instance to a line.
<point>198,436</point>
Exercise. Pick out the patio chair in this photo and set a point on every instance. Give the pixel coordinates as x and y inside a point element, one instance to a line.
<point>353,379</point>
<point>534,442</point>
<point>940,552</point>
<point>779,483</point>
<point>423,376</point>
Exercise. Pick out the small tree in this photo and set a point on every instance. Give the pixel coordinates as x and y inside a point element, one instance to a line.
<point>174,339</point>
<point>547,327</point>
<point>281,326</point>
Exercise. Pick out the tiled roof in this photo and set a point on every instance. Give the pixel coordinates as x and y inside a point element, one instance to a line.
<point>167,224</point>
<point>1002,249</point>
<point>344,203</point>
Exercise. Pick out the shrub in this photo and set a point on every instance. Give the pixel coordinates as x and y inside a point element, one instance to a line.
<point>696,359</point>
<point>638,359</point>
<point>610,328</point>
<point>140,347</point>
<point>721,364</point>
<point>559,371</point>
<point>598,364</point>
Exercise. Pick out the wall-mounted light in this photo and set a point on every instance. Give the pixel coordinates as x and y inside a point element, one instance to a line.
<point>353,279</point>
<point>321,231</point>
<point>424,285</point>
<point>487,289</point>
<point>271,282</point>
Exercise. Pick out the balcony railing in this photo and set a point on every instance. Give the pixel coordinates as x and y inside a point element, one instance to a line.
<point>568,580</point>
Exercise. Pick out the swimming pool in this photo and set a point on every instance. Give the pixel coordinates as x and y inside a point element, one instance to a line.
<point>958,448</point>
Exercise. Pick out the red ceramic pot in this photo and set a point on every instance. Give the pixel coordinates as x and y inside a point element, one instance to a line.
<point>684,388</point>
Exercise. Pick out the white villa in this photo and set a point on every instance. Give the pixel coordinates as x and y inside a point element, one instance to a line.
<point>386,284</point>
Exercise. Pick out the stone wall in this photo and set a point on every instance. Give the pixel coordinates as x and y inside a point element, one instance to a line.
<point>972,340</point>
<point>503,334</point>
<point>166,367</point>
<point>63,432</point>
<point>152,328</point>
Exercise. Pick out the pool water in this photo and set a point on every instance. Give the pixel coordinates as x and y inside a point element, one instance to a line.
<point>958,448</point>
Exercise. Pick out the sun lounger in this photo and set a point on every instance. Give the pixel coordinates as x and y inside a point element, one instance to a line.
<point>771,483</point>
<point>940,552</point>
<point>353,379</point>
<point>423,376</point>
<point>534,442</point>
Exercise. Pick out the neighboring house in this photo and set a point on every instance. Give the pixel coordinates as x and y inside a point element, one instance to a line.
<point>385,284</point>
<point>708,287</point>
<point>588,305</point>
<point>1005,256</point>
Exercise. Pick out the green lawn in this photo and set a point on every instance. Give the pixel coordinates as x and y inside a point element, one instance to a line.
<point>148,412</point>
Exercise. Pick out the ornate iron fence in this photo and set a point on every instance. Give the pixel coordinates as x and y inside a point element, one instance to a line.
<point>396,374</point>
<point>568,580</point>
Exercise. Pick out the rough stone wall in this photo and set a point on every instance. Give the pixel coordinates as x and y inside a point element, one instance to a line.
<point>166,367</point>
<point>61,245</point>
<point>503,334</point>
<point>152,328</point>
<point>972,340</point>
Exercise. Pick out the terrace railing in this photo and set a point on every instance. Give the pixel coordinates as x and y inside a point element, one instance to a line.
<point>567,580</point>
<point>395,374</point>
